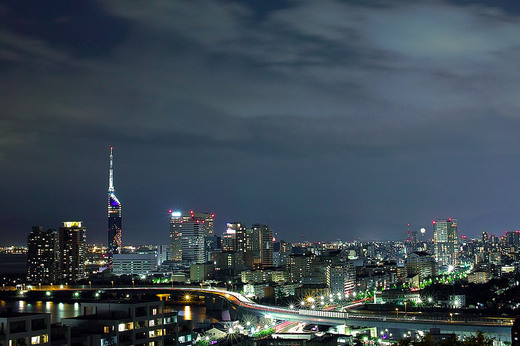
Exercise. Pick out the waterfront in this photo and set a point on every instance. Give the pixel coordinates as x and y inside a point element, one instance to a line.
<point>13,264</point>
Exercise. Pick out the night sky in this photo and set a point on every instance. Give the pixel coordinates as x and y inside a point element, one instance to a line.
<point>324,119</point>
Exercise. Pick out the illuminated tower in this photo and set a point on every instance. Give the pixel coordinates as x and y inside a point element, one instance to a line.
<point>114,215</point>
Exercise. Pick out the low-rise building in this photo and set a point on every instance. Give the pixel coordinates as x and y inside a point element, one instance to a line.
<point>396,297</point>
<point>134,264</point>
<point>24,328</point>
<point>478,277</point>
<point>121,323</point>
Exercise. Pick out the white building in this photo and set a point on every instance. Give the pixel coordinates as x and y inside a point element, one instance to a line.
<point>134,264</point>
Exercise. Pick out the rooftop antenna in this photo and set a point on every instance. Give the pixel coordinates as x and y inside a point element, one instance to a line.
<point>111,172</point>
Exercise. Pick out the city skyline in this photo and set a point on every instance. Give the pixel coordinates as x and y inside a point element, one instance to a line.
<point>331,119</point>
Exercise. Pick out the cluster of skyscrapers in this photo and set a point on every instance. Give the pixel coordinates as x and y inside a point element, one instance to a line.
<point>193,241</point>
<point>59,255</point>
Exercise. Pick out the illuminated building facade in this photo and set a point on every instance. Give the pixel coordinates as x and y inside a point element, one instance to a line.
<point>42,255</point>
<point>71,251</point>
<point>115,244</point>
<point>187,233</point>
<point>445,241</point>
<point>262,246</point>
<point>235,237</point>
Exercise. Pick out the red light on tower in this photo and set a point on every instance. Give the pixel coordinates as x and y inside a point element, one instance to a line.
<point>169,211</point>
<point>449,220</point>
<point>434,222</point>
<point>212,215</point>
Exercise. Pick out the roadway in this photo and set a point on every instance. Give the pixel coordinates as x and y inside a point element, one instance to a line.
<point>459,324</point>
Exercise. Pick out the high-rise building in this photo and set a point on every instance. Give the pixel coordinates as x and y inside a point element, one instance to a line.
<point>445,241</point>
<point>187,234</point>
<point>262,246</point>
<point>235,238</point>
<point>71,251</point>
<point>42,255</point>
<point>115,244</point>
<point>238,238</point>
<point>513,238</point>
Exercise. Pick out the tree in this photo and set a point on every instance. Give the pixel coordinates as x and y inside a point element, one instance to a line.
<point>479,339</point>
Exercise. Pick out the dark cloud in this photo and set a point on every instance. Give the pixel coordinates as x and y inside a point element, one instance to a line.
<point>340,118</point>
<point>83,29</point>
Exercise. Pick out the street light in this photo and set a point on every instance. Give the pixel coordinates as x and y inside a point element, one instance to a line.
<point>396,312</point>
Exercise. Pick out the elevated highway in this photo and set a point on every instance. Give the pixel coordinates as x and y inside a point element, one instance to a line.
<point>499,328</point>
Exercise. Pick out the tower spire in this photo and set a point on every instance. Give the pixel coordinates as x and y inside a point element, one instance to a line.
<point>111,172</point>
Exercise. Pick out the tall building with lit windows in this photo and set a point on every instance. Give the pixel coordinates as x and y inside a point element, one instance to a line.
<point>71,251</point>
<point>445,241</point>
<point>187,232</point>
<point>42,255</point>
<point>262,246</point>
<point>115,241</point>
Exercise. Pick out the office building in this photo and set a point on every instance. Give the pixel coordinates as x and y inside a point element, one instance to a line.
<point>188,231</point>
<point>201,272</point>
<point>341,278</point>
<point>134,263</point>
<point>71,251</point>
<point>262,246</point>
<point>115,236</point>
<point>299,266</point>
<point>513,238</point>
<point>421,263</point>
<point>42,256</point>
<point>163,254</point>
<point>445,241</point>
